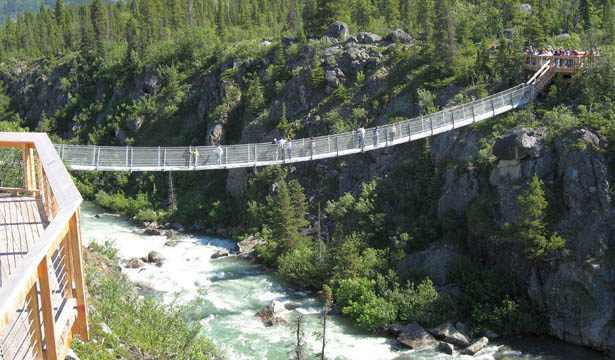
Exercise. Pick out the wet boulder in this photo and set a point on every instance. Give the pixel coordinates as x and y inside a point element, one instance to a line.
<point>269,314</point>
<point>135,263</point>
<point>476,346</point>
<point>415,337</point>
<point>446,348</point>
<point>155,257</point>
<point>448,333</point>
<point>220,253</point>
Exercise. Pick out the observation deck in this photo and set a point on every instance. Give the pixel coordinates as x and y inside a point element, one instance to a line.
<point>42,280</point>
<point>563,66</point>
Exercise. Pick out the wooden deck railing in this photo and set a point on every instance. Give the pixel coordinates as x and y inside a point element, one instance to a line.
<point>567,65</point>
<point>43,303</point>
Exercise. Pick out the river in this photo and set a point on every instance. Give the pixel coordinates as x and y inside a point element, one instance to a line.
<point>228,291</point>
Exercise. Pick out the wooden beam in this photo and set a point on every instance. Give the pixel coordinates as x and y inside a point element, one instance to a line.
<point>51,352</point>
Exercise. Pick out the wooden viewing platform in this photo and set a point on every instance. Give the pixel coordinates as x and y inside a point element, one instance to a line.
<point>42,280</point>
<point>563,66</point>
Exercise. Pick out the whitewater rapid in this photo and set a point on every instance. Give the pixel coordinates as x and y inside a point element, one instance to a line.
<point>227,292</point>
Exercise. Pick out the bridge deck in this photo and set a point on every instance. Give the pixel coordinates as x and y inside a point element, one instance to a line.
<point>21,223</point>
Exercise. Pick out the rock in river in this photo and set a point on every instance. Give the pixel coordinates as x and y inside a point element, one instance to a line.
<point>414,336</point>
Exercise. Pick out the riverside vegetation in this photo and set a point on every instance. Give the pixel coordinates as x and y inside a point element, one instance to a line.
<point>514,217</point>
<point>129,326</point>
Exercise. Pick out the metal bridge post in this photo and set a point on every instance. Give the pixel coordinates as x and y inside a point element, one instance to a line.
<point>453,118</point>
<point>492,107</point>
<point>98,158</point>
<point>62,151</point>
<point>93,157</point>
<point>386,136</point>
<point>164,160</point>
<point>408,130</point>
<point>422,124</point>
<point>248,147</point>
<point>131,156</point>
<point>158,157</point>
<point>337,149</point>
<point>328,143</point>
<point>431,124</point>
<point>126,163</point>
<point>311,150</point>
<point>511,99</point>
<point>255,156</point>
<point>226,156</point>
<point>473,116</point>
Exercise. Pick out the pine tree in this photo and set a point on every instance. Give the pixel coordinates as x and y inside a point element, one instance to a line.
<point>98,17</point>
<point>333,10</point>
<point>292,18</point>
<point>283,126</point>
<point>392,13</point>
<point>531,228</point>
<point>363,13</point>
<point>59,14</point>
<point>586,12</point>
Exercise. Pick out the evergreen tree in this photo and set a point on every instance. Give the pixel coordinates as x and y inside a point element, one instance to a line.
<point>59,14</point>
<point>392,13</point>
<point>363,13</point>
<point>531,228</point>
<point>98,17</point>
<point>283,126</point>
<point>587,14</point>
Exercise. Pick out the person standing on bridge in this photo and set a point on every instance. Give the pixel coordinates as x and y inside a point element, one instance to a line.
<point>376,135</point>
<point>361,132</point>
<point>219,153</point>
<point>289,148</point>
<point>393,131</point>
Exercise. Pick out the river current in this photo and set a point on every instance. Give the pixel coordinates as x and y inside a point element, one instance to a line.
<point>227,292</point>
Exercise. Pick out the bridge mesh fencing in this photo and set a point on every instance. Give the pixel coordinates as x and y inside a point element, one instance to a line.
<point>81,157</point>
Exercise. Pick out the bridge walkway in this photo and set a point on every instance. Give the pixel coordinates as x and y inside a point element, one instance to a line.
<point>109,158</point>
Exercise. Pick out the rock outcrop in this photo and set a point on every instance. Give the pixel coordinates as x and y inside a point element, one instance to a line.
<point>414,336</point>
<point>337,30</point>
<point>573,166</point>
<point>269,314</point>
<point>433,262</point>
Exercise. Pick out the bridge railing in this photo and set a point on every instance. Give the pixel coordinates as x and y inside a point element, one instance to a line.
<point>42,302</point>
<point>561,64</point>
<point>246,155</point>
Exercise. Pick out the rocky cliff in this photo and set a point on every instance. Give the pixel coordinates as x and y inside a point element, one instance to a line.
<point>577,291</point>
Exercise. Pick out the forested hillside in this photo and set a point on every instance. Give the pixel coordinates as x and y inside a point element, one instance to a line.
<point>11,8</point>
<point>480,225</point>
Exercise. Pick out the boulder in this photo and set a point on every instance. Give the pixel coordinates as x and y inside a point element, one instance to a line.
<point>337,30</point>
<point>135,263</point>
<point>170,243</point>
<point>269,313</point>
<point>292,305</point>
<point>562,37</point>
<point>332,79</point>
<point>220,253</point>
<point>170,234</point>
<point>368,38</point>
<point>400,36</point>
<point>155,257</point>
<point>525,8</point>
<point>448,333</point>
<point>446,348</point>
<point>463,329</point>
<point>476,346</point>
<point>152,232</point>
<point>414,336</point>
<point>247,245</point>
<point>519,143</point>
<point>434,262</point>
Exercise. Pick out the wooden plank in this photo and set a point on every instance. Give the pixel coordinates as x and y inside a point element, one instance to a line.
<point>81,325</point>
<point>51,352</point>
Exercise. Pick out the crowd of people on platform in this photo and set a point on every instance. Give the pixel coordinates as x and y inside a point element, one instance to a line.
<point>557,52</point>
